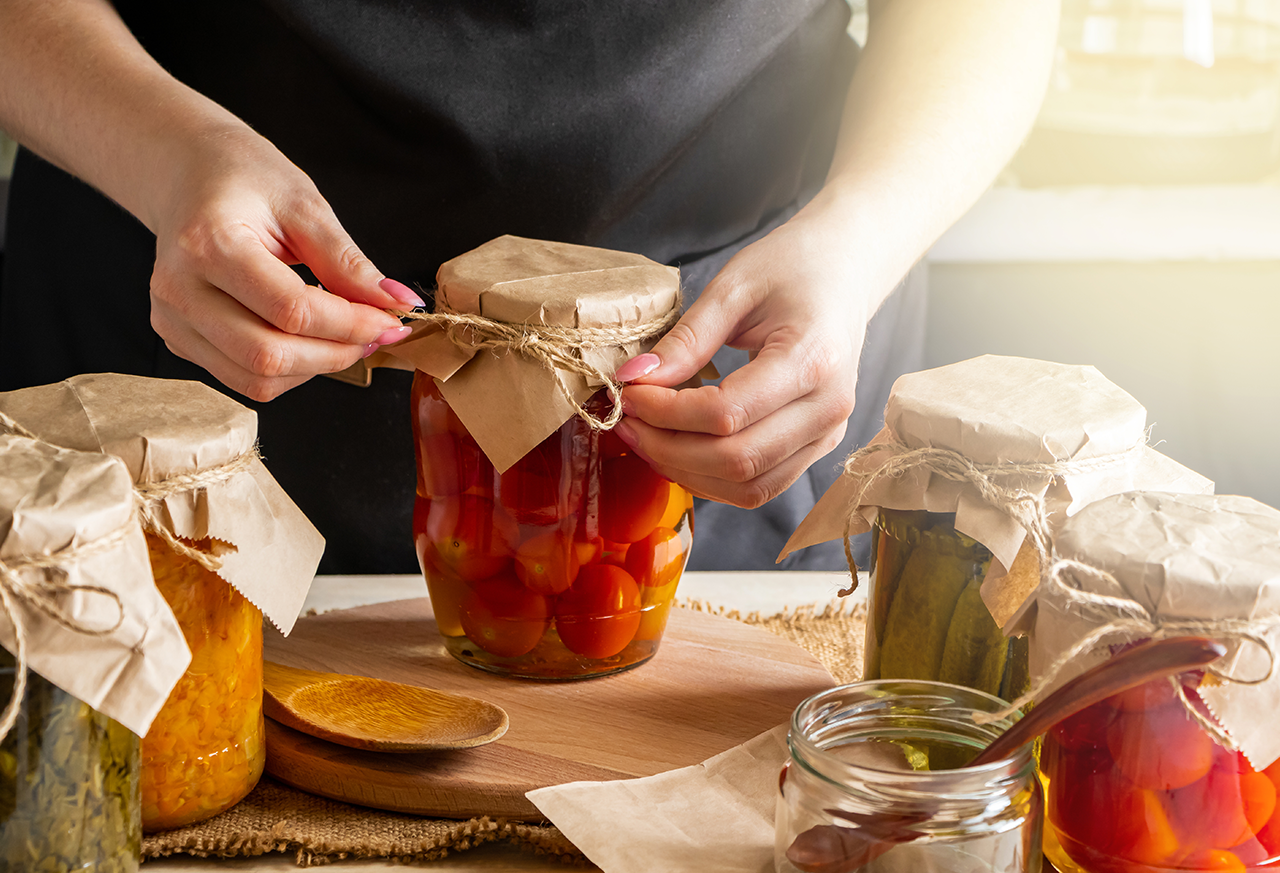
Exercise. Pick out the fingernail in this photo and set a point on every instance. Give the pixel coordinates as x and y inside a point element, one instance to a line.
<point>369,349</point>
<point>640,365</point>
<point>392,335</point>
<point>401,292</point>
<point>626,433</point>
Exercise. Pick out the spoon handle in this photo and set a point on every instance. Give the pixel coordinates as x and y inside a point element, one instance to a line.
<point>1130,668</point>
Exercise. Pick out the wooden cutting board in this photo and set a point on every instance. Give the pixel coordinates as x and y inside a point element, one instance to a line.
<point>713,684</point>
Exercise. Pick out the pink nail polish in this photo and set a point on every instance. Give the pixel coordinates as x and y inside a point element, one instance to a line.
<point>392,335</point>
<point>369,349</point>
<point>401,292</point>
<point>640,365</point>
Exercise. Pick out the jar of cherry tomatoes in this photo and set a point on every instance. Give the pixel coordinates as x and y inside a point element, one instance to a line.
<point>550,549</point>
<point>1179,774</point>
<point>563,566</point>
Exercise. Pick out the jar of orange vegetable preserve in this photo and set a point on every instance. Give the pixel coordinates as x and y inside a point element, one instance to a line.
<point>550,549</point>
<point>226,547</point>
<point>1180,774</point>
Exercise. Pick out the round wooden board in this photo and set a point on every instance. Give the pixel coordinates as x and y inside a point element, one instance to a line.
<point>713,684</point>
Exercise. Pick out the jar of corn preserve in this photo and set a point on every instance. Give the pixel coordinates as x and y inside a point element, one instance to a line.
<point>563,566</point>
<point>205,750</point>
<point>1181,774</point>
<point>927,619</point>
<point>878,781</point>
<point>226,546</point>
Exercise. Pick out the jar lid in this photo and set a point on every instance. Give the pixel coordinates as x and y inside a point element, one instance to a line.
<point>115,644</point>
<point>514,396</point>
<point>199,444</point>
<point>1186,563</point>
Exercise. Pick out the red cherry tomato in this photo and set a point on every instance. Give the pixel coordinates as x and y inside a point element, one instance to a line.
<point>588,551</point>
<point>598,616</point>
<point>534,490</point>
<point>547,563</point>
<point>658,559</point>
<point>1087,728</point>
<point>1160,749</point>
<point>1225,808</point>
<point>449,464</point>
<point>503,617</point>
<point>471,536</point>
<point>1219,860</point>
<point>615,553</point>
<point>633,499</point>
<point>1151,695</point>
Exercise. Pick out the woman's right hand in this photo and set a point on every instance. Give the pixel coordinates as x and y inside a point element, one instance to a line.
<point>223,294</point>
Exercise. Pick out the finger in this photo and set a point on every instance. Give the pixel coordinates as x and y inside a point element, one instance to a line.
<point>691,342</point>
<point>779,375</point>
<point>248,349</point>
<point>240,265</point>
<point>314,234</point>
<point>745,456</point>
<point>752,493</point>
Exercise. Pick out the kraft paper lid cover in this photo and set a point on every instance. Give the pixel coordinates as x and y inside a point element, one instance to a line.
<point>508,401</point>
<point>166,428</point>
<point>79,509</point>
<point>997,410</point>
<point>1185,558</point>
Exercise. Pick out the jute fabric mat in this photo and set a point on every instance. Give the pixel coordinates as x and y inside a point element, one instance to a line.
<point>317,831</point>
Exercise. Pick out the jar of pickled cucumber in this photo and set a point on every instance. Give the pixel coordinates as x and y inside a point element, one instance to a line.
<point>563,566</point>
<point>878,782</point>
<point>926,618</point>
<point>1181,774</point>
<point>68,784</point>
<point>205,750</point>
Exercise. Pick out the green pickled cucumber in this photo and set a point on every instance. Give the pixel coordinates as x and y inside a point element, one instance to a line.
<point>975,651</point>
<point>916,630</point>
<point>1017,673</point>
<point>889,557</point>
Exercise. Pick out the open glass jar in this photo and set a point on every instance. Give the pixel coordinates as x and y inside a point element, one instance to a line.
<point>889,756</point>
<point>206,749</point>
<point>562,567</point>
<point>927,619</point>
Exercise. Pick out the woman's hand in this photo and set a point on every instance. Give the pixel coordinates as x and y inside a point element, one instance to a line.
<point>223,295</point>
<point>796,304</point>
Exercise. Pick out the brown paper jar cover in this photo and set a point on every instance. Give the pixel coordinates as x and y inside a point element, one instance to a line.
<point>54,500</point>
<point>998,410</point>
<point>508,402</point>
<point>161,428</point>
<point>1181,558</point>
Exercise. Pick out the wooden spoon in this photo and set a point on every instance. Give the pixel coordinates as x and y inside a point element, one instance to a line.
<point>375,714</point>
<point>838,849</point>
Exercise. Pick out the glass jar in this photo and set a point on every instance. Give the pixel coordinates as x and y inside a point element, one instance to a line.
<point>895,751</point>
<point>206,749</point>
<point>1135,784</point>
<point>564,566</point>
<point>68,784</point>
<point>926,615</point>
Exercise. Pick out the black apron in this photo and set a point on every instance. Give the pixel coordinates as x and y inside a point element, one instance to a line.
<point>677,130</point>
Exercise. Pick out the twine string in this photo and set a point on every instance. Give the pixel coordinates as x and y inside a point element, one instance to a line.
<point>42,596</point>
<point>556,347</point>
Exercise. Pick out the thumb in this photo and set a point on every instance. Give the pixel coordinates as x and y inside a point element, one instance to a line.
<point>316,237</point>
<point>687,347</point>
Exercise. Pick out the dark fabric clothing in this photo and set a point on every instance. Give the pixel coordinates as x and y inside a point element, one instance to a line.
<point>677,130</point>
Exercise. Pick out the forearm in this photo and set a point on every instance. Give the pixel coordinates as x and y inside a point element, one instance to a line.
<point>942,97</point>
<point>79,90</point>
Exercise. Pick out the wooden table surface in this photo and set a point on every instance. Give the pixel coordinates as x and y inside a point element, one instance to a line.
<point>765,592</point>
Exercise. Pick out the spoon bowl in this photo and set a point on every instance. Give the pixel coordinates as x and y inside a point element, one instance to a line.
<point>377,715</point>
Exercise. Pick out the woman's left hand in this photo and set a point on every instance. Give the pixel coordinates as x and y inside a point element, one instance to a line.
<point>795,303</point>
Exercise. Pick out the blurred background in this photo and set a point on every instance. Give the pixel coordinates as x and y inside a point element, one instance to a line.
<point>1138,229</point>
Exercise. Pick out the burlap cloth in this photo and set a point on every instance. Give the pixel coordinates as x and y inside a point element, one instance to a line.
<point>277,818</point>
